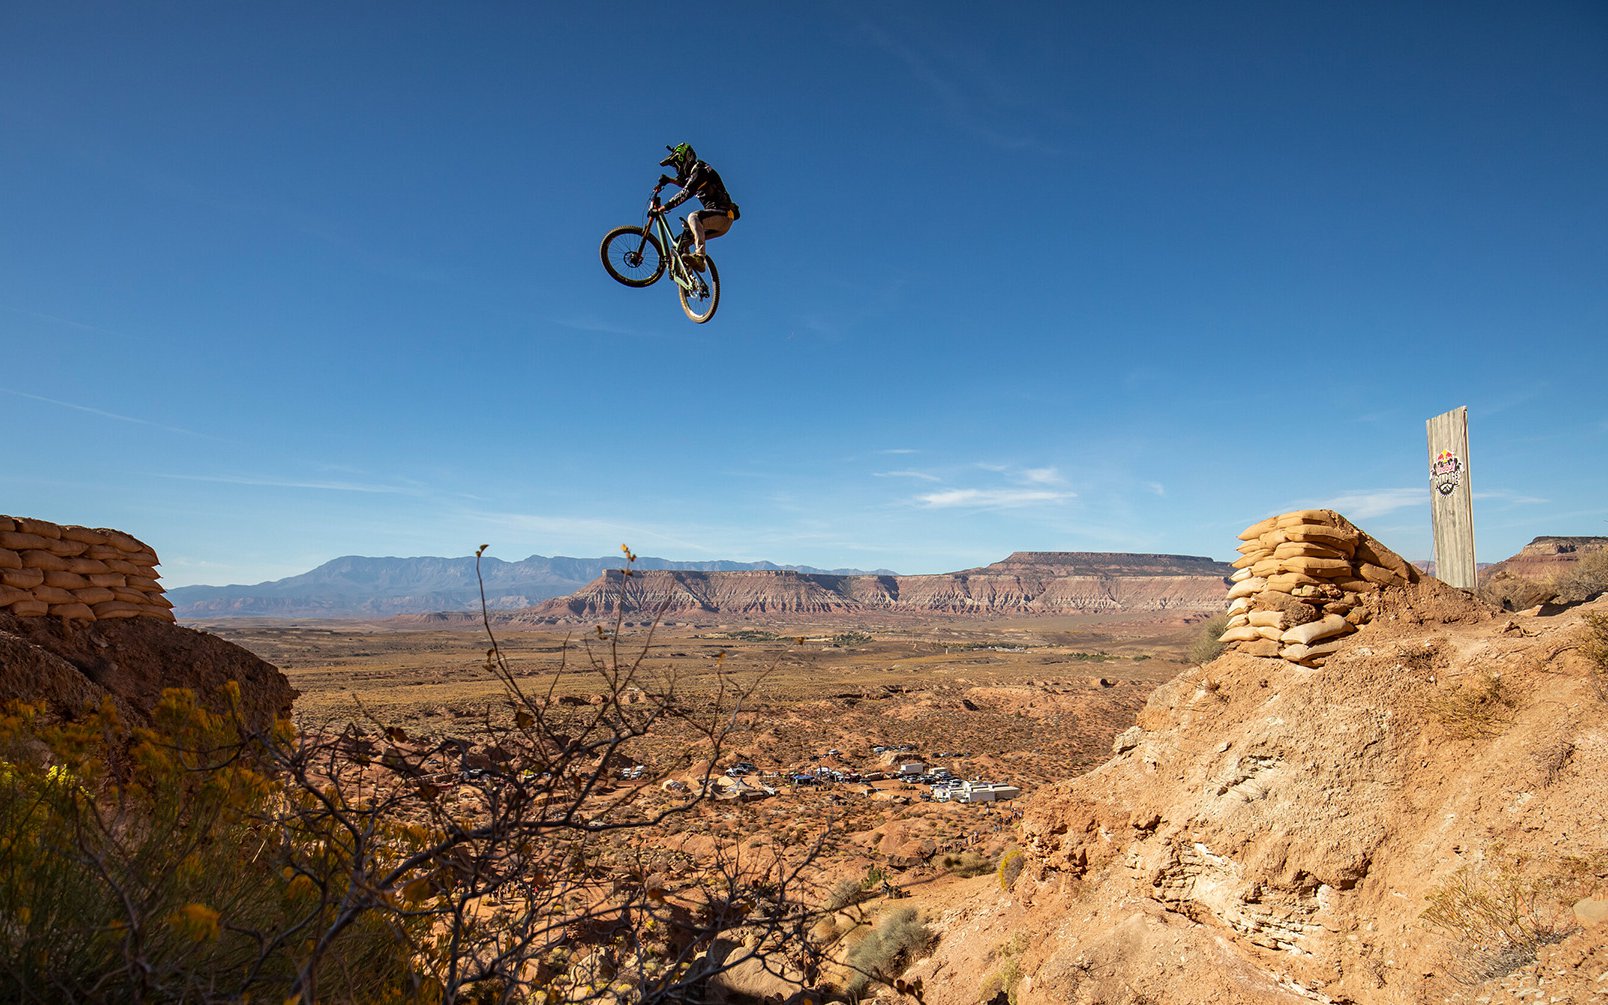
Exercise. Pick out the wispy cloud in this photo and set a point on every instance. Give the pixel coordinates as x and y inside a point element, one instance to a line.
<point>1364,504</point>
<point>298,483</point>
<point>1514,498</point>
<point>898,450</point>
<point>967,110</point>
<point>116,417</point>
<point>919,475</point>
<point>991,498</point>
<point>1042,476</point>
<point>65,322</point>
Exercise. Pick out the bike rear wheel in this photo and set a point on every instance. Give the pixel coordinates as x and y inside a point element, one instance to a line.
<point>700,306</point>
<point>632,256</point>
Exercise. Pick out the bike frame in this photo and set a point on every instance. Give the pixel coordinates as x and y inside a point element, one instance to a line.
<point>678,268</point>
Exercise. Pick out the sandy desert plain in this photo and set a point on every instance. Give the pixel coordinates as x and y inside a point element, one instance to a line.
<point>1023,701</point>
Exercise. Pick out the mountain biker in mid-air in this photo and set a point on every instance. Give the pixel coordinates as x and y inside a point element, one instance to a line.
<point>697,180</point>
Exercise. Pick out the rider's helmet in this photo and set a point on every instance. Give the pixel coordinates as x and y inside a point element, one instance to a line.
<point>681,158</point>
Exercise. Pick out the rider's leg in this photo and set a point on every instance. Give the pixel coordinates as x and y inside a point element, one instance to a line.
<point>706,225</point>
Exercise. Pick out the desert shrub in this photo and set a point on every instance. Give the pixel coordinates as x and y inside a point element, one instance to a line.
<point>1498,919</point>
<point>1595,648</point>
<point>1206,648</point>
<point>967,864</point>
<point>851,638</point>
<point>1484,708</point>
<point>189,861</point>
<point>1587,579</point>
<point>1514,593</point>
<point>146,864</point>
<point>886,950</point>
<point>1002,982</point>
<point>845,894</point>
<point>1010,867</point>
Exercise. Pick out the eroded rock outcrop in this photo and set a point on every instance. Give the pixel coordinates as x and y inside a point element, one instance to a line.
<point>70,665</point>
<point>1024,583</point>
<point>83,619</point>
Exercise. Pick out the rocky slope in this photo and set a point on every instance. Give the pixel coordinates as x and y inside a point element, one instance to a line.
<point>1273,833</point>
<point>70,665</point>
<point>1024,583</point>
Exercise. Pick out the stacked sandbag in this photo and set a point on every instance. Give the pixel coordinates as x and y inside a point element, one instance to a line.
<point>79,573</point>
<point>1301,585</point>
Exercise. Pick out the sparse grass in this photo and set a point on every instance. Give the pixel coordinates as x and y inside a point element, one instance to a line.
<point>1005,977</point>
<point>967,864</point>
<point>1498,919</point>
<point>1206,648</point>
<point>887,950</point>
<point>1595,648</point>
<point>1586,580</point>
<point>1482,709</point>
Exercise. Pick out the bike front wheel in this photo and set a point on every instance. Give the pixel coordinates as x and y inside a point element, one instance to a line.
<point>700,302</point>
<point>632,256</point>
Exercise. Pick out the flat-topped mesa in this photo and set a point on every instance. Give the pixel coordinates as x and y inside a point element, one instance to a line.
<point>1024,583</point>
<point>1102,563</point>
<point>1546,557</point>
<point>77,573</point>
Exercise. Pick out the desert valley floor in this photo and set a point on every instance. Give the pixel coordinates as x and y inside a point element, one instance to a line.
<point>1024,702</point>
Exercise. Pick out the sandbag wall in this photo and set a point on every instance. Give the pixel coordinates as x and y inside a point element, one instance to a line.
<point>1302,583</point>
<point>77,572</point>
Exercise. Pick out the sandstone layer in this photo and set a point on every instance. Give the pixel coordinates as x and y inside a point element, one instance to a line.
<point>1546,558</point>
<point>1024,583</point>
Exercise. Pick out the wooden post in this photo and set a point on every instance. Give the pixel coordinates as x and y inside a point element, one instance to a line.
<point>1452,499</point>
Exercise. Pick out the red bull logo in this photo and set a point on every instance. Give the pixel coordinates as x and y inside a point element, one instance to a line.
<point>1445,472</point>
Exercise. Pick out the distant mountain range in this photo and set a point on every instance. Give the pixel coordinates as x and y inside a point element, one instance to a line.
<point>357,587</point>
<point>546,589</point>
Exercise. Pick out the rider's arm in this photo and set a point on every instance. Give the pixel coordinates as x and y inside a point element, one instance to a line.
<point>693,182</point>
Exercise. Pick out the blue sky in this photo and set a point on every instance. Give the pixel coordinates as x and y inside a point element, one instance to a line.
<point>283,282</point>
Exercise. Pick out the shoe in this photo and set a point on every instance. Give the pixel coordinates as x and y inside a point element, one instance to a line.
<point>696,260</point>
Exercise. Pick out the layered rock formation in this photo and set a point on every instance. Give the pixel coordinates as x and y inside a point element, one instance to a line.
<point>1546,558</point>
<point>358,587</point>
<point>1024,583</point>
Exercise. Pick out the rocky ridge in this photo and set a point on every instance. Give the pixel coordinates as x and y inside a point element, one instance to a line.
<point>1546,557</point>
<point>1275,833</point>
<point>1024,583</point>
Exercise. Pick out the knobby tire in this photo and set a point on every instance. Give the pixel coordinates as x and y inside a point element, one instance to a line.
<point>618,248</point>
<point>701,310</point>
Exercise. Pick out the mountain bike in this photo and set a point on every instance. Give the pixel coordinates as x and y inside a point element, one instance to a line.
<point>637,256</point>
